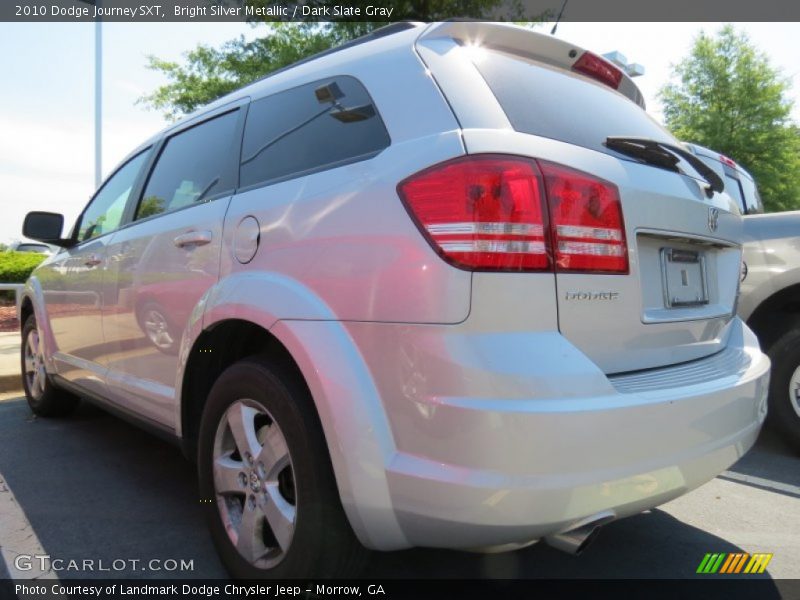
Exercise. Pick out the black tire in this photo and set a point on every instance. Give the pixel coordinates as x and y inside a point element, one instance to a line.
<point>44,398</point>
<point>785,357</point>
<point>322,544</point>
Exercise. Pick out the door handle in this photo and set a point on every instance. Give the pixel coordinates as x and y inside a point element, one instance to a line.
<point>92,260</point>
<point>193,238</point>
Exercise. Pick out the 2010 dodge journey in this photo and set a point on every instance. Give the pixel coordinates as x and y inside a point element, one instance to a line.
<point>445,286</point>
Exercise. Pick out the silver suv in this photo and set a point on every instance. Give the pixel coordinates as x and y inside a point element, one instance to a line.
<point>446,286</point>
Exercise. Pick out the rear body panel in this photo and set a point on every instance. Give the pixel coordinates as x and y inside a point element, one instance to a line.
<point>663,311</point>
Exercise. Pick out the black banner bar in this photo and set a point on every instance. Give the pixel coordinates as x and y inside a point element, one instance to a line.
<point>713,586</point>
<point>396,10</point>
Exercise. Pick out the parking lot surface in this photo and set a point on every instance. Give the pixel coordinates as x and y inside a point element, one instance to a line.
<point>94,487</point>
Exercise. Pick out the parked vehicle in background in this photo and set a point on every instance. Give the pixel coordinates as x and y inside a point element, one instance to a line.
<point>448,285</point>
<point>739,184</point>
<point>20,246</point>
<point>769,299</point>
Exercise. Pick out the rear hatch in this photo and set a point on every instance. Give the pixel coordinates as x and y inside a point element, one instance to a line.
<point>672,293</point>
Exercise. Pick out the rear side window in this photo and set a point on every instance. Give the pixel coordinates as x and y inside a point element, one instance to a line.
<point>552,103</point>
<point>735,191</point>
<point>752,199</point>
<point>319,125</point>
<point>193,167</point>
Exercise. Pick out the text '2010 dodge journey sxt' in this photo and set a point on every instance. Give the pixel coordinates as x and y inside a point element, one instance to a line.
<point>446,286</point>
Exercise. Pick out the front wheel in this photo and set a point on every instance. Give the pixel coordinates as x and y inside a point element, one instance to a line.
<point>44,398</point>
<point>272,502</point>
<point>784,389</point>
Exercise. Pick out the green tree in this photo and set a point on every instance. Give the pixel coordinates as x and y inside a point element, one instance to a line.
<point>209,72</point>
<point>726,95</point>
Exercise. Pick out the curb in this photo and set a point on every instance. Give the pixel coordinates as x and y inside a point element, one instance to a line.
<point>11,383</point>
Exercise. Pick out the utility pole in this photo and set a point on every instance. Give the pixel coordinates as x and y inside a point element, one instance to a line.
<point>98,96</point>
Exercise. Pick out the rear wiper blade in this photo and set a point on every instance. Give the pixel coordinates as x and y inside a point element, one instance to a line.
<point>667,156</point>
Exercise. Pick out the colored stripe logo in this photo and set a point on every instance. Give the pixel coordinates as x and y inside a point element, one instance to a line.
<point>732,563</point>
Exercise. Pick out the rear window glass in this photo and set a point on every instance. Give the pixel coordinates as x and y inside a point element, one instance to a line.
<point>549,102</point>
<point>316,126</point>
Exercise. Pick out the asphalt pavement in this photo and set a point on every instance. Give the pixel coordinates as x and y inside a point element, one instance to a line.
<point>92,486</point>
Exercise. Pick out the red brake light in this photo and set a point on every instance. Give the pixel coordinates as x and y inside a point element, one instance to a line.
<point>598,68</point>
<point>727,161</point>
<point>489,212</point>
<point>586,220</point>
<point>482,212</point>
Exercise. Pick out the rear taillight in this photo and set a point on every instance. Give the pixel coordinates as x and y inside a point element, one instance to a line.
<point>598,68</point>
<point>490,212</point>
<point>586,218</point>
<point>482,212</point>
<point>727,161</point>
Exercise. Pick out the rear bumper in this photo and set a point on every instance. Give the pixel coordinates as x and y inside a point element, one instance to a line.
<point>503,439</point>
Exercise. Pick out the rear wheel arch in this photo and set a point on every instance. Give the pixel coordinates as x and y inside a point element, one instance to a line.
<point>25,310</point>
<point>215,349</point>
<point>776,315</point>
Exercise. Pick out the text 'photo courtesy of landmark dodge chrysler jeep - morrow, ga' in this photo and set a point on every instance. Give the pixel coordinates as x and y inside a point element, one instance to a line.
<point>448,285</point>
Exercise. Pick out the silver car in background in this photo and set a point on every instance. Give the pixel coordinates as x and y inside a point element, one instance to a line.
<point>448,285</point>
<point>769,301</point>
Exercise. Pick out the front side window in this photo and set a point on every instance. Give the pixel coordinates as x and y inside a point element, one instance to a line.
<point>315,126</point>
<point>105,211</point>
<point>191,168</point>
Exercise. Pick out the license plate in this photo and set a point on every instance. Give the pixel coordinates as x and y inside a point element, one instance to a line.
<point>683,274</point>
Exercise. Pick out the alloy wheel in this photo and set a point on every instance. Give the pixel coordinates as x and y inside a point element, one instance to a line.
<point>35,374</point>
<point>254,483</point>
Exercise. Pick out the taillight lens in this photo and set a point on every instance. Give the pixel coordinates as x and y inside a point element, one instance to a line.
<point>727,161</point>
<point>506,213</point>
<point>599,69</point>
<point>482,212</point>
<point>587,224</point>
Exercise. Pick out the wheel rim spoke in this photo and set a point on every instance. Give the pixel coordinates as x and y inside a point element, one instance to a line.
<point>274,454</point>
<point>280,516</point>
<point>228,476</point>
<point>241,420</point>
<point>33,342</point>
<point>250,540</point>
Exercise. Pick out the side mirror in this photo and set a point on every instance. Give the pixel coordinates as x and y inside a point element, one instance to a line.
<point>45,227</point>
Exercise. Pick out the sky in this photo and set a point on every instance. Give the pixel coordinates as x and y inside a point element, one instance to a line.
<point>47,99</point>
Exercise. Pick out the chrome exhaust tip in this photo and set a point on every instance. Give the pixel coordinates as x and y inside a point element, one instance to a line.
<point>579,535</point>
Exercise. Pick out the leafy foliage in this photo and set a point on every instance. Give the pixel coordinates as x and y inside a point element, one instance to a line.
<point>16,267</point>
<point>726,95</point>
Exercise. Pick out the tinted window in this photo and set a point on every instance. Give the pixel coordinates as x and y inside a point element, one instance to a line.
<point>751,197</point>
<point>192,167</point>
<point>105,211</point>
<point>294,131</point>
<point>32,248</point>
<point>552,103</point>
<point>735,192</point>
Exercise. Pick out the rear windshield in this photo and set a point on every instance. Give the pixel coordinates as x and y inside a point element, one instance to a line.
<point>549,102</point>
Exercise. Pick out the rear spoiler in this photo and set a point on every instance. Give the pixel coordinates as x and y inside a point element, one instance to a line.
<point>526,43</point>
